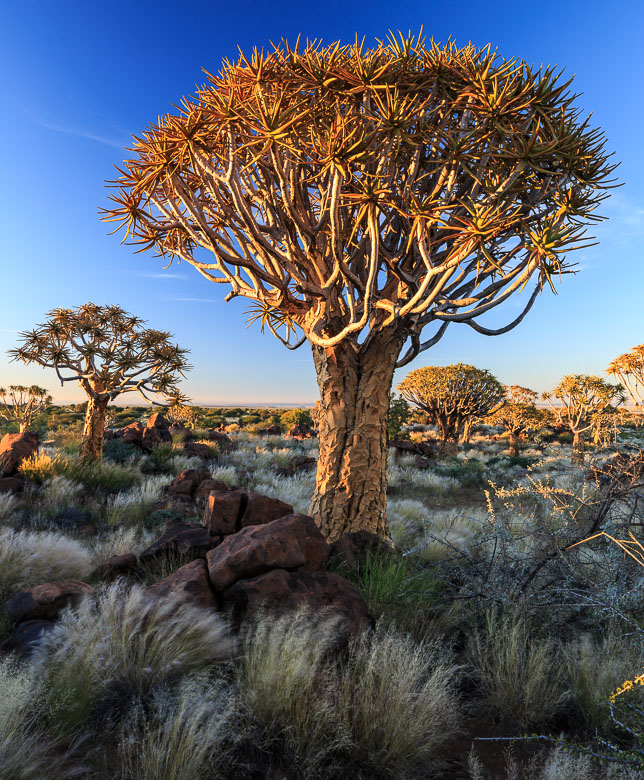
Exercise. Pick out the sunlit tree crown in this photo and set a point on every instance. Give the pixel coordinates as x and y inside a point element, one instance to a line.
<point>344,189</point>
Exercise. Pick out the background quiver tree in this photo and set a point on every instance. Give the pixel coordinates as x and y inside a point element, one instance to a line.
<point>21,405</point>
<point>453,396</point>
<point>182,414</point>
<point>358,196</point>
<point>584,402</point>
<point>518,415</point>
<point>107,352</point>
<point>629,370</point>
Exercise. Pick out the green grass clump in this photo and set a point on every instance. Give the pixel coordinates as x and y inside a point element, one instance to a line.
<point>119,646</point>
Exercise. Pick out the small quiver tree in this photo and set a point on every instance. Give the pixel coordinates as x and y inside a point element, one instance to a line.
<point>518,416</point>
<point>583,404</point>
<point>357,196</point>
<point>453,396</point>
<point>182,414</point>
<point>107,352</point>
<point>21,405</point>
<point>629,370</point>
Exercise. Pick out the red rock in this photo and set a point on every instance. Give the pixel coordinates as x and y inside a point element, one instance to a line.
<point>186,538</point>
<point>152,436</point>
<point>14,448</point>
<point>118,565</point>
<point>229,512</point>
<point>223,511</point>
<point>301,432</point>
<point>292,542</point>
<point>209,485</point>
<point>195,450</point>
<point>44,602</point>
<point>280,591</point>
<point>272,430</point>
<point>11,484</point>
<point>224,441</point>
<point>157,420</point>
<point>190,583</point>
<point>179,432</point>
<point>262,509</point>
<point>130,434</point>
<point>188,481</point>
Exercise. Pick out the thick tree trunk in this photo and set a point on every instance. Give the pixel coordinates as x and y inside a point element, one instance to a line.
<point>578,448</point>
<point>448,448</point>
<point>351,485</point>
<point>514,444</point>
<point>92,443</point>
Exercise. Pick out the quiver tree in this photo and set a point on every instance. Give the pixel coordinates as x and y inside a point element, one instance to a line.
<point>583,403</point>
<point>182,414</point>
<point>357,196</point>
<point>21,405</point>
<point>518,415</point>
<point>107,352</point>
<point>629,370</point>
<point>453,396</point>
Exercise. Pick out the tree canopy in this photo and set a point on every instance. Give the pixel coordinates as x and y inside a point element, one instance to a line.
<point>629,369</point>
<point>345,189</point>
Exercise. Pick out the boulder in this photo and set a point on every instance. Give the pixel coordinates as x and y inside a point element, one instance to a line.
<point>188,539</point>
<point>14,448</point>
<point>195,450</point>
<point>227,513</point>
<point>422,463</point>
<point>293,542</point>
<point>190,583</point>
<point>179,432</point>
<point>118,565</point>
<point>130,434</point>
<point>224,441</point>
<point>26,637</point>
<point>279,591</point>
<point>188,481</point>
<point>152,436</point>
<point>272,430</point>
<point>301,432</point>
<point>157,420</point>
<point>11,484</point>
<point>45,601</point>
<point>208,486</point>
<point>298,463</point>
<point>351,550</point>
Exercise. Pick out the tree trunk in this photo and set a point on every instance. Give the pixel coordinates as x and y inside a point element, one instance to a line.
<point>578,447</point>
<point>92,443</point>
<point>448,448</point>
<point>514,444</point>
<point>351,484</point>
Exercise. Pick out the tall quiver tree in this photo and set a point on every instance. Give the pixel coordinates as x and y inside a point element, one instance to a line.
<point>629,370</point>
<point>357,196</point>
<point>107,352</point>
<point>453,397</point>
<point>518,415</point>
<point>21,405</point>
<point>583,403</point>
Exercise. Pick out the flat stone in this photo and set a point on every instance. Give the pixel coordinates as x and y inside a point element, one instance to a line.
<point>190,583</point>
<point>186,538</point>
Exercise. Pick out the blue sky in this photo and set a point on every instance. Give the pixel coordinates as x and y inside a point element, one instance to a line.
<point>80,78</point>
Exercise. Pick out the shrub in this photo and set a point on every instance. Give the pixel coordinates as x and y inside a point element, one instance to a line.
<point>519,675</point>
<point>398,699</point>
<point>31,558</point>
<point>120,646</point>
<point>159,460</point>
<point>183,734</point>
<point>8,504</point>
<point>121,452</point>
<point>285,685</point>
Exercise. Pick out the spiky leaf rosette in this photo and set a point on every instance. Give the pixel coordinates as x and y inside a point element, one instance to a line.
<point>629,369</point>
<point>461,391</point>
<point>106,350</point>
<point>583,401</point>
<point>344,190</point>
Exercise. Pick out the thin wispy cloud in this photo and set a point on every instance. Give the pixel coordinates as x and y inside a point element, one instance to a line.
<point>144,275</point>
<point>193,300</point>
<point>117,143</point>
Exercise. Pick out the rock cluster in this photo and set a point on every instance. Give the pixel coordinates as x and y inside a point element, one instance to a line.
<point>250,554</point>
